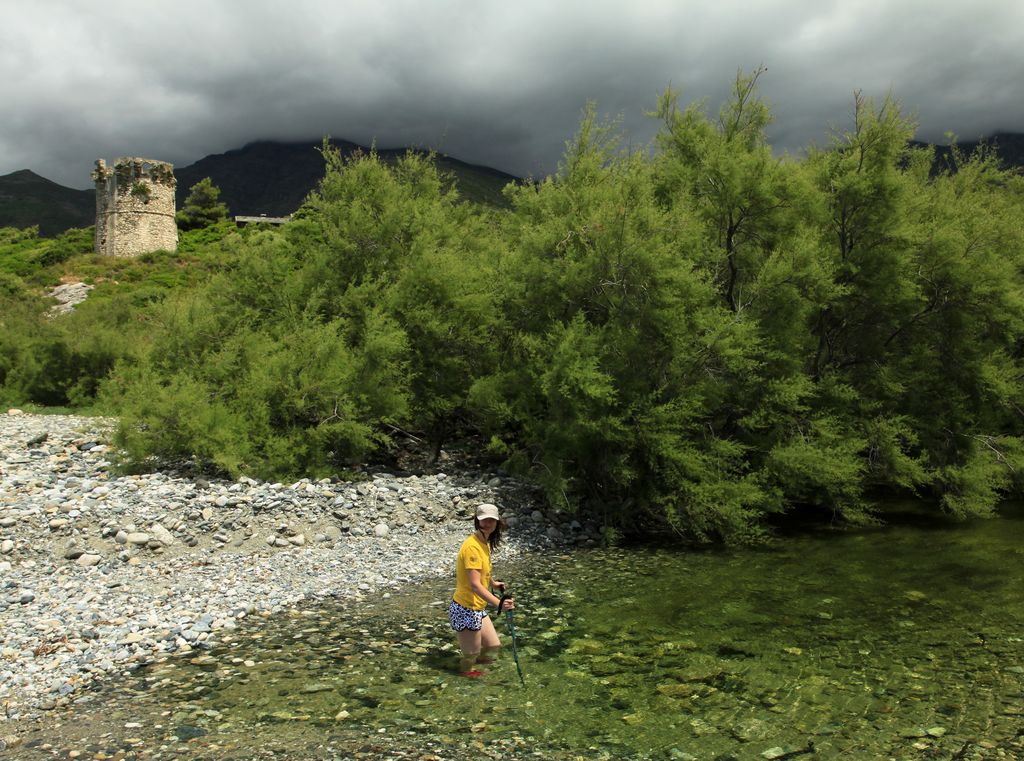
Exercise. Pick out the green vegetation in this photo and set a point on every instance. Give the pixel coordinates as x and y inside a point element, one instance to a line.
<point>142,191</point>
<point>62,360</point>
<point>202,207</point>
<point>27,258</point>
<point>696,339</point>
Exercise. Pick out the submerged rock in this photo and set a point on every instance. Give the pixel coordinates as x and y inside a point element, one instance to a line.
<point>186,732</point>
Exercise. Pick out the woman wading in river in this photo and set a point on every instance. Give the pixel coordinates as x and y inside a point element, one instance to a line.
<point>473,592</point>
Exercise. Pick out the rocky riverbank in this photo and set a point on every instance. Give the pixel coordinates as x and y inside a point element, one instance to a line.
<point>101,574</point>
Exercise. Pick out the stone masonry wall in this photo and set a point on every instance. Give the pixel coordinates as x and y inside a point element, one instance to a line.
<point>135,207</point>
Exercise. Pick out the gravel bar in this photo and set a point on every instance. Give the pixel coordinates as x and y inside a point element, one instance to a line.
<point>101,574</point>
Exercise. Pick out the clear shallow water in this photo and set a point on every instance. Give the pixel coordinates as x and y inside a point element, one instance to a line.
<point>901,642</point>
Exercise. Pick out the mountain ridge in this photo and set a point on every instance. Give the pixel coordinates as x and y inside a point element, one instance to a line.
<point>28,199</point>
<point>262,177</point>
<point>274,177</point>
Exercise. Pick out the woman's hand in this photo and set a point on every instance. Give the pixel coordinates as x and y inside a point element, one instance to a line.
<point>507,604</point>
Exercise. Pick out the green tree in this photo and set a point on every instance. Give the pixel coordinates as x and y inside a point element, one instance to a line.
<point>392,237</point>
<point>725,173</point>
<point>758,220</point>
<point>925,331</point>
<point>358,319</point>
<point>955,362</point>
<point>202,207</point>
<point>241,376</point>
<point>613,349</point>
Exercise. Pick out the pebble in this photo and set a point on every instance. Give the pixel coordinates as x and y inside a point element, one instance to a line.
<point>104,571</point>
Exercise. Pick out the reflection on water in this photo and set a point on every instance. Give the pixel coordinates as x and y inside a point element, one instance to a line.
<point>901,642</point>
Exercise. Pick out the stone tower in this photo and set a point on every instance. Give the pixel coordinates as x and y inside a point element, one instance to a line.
<point>135,207</point>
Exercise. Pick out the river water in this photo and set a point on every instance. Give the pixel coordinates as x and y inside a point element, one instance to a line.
<point>903,641</point>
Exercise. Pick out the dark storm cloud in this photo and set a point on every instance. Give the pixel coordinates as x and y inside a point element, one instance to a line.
<point>495,83</point>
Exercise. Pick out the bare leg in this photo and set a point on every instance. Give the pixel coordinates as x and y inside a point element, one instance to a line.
<point>469,643</point>
<point>489,641</point>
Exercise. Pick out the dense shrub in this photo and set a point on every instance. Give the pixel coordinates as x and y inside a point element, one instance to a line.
<point>688,340</point>
<point>66,245</point>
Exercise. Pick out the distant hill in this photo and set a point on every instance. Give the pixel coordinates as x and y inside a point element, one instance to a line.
<point>27,199</point>
<point>264,177</point>
<point>274,178</point>
<point>1009,147</point>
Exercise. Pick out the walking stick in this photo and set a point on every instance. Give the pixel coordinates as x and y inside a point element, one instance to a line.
<point>512,634</point>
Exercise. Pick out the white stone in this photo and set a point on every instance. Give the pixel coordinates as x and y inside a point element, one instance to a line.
<point>162,535</point>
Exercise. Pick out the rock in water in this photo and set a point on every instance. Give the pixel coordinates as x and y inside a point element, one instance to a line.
<point>185,732</point>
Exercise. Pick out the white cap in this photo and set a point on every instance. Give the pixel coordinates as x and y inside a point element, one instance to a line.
<point>487,510</point>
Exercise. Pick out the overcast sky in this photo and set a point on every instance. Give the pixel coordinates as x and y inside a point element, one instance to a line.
<point>496,83</point>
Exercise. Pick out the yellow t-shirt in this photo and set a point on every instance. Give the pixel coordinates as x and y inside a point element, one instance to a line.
<point>473,555</point>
